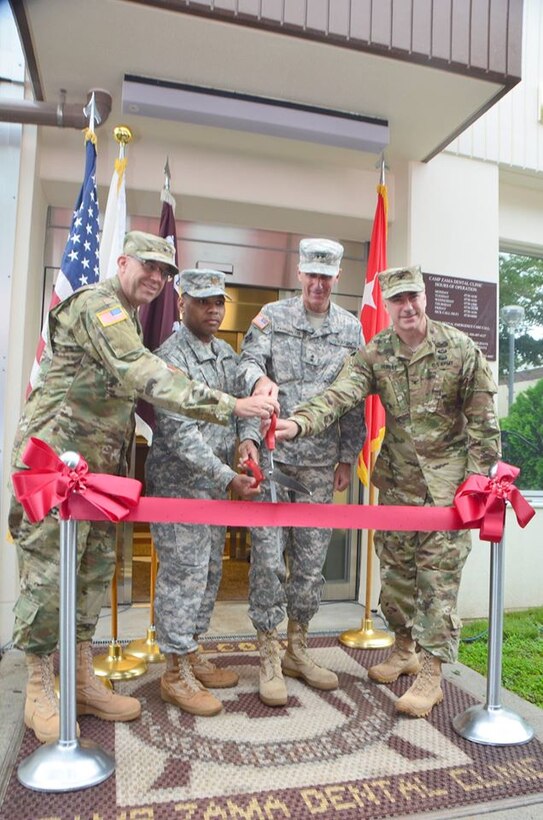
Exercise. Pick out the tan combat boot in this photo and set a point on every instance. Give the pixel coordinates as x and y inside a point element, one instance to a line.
<point>272,688</point>
<point>298,663</point>
<point>41,706</point>
<point>211,676</point>
<point>403,660</point>
<point>93,698</point>
<point>179,686</point>
<point>425,691</point>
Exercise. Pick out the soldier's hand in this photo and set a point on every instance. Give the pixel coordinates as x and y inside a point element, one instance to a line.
<point>264,386</point>
<point>285,430</point>
<point>247,449</point>
<point>342,476</point>
<point>261,406</point>
<point>244,487</point>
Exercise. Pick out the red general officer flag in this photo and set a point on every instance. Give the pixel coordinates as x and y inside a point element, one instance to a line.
<point>373,318</point>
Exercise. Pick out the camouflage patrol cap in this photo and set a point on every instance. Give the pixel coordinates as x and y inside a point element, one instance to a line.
<point>401,280</point>
<point>200,283</point>
<point>320,256</point>
<point>147,246</point>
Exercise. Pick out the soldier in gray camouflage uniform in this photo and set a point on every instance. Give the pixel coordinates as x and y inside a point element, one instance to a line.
<point>191,458</point>
<point>293,350</point>
<point>441,426</point>
<point>95,368</point>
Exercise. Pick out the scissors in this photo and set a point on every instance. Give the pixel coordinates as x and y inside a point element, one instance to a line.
<point>274,474</point>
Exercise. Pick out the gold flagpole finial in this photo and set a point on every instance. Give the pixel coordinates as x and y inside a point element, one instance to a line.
<point>167,176</point>
<point>123,135</point>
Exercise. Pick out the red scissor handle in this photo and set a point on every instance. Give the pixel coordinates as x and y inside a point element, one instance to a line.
<point>251,468</point>
<point>270,435</point>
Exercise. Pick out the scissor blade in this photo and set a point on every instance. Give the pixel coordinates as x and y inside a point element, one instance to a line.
<point>288,482</point>
<point>273,488</point>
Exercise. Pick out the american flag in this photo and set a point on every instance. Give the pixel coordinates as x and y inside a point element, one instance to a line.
<point>79,265</point>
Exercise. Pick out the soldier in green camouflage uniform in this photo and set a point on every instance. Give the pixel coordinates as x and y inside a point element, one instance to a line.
<point>95,369</point>
<point>192,458</point>
<point>441,426</point>
<point>294,349</point>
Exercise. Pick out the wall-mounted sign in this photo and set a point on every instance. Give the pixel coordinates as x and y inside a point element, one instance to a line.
<point>469,305</point>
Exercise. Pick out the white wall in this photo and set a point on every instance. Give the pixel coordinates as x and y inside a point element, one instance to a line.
<point>523,568</point>
<point>511,133</point>
<point>521,215</point>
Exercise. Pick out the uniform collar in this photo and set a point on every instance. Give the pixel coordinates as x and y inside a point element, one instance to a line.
<point>202,350</point>
<point>301,321</point>
<point>426,347</point>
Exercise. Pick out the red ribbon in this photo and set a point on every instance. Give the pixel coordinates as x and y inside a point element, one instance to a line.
<point>481,500</point>
<point>49,482</point>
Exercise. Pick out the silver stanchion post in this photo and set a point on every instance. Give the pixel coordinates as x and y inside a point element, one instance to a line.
<point>70,763</point>
<point>492,724</point>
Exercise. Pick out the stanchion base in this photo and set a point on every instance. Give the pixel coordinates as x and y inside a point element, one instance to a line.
<point>66,767</point>
<point>367,637</point>
<point>116,666</point>
<point>493,726</point>
<point>146,648</point>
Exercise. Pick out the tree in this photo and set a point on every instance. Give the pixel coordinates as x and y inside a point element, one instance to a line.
<point>521,283</point>
<point>522,437</point>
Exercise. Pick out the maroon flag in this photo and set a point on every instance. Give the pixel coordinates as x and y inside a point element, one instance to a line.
<point>158,317</point>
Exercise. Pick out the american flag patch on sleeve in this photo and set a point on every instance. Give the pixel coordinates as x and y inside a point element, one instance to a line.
<point>112,315</point>
<point>261,321</point>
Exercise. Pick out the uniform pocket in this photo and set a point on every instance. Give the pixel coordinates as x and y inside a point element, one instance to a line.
<point>26,609</point>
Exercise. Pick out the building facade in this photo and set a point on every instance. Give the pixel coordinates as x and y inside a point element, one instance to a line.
<point>434,86</point>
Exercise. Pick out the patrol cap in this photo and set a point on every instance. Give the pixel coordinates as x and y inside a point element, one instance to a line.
<point>401,280</point>
<point>147,246</point>
<point>320,256</point>
<point>200,283</point>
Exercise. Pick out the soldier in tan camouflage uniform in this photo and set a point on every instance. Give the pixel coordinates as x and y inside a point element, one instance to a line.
<point>441,426</point>
<point>94,370</point>
<point>191,458</point>
<point>293,350</point>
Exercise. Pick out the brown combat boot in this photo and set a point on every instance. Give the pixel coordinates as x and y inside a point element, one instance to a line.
<point>425,691</point>
<point>403,660</point>
<point>41,706</point>
<point>298,663</point>
<point>211,676</point>
<point>93,698</point>
<point>272,688</point>
<point>179,686</point>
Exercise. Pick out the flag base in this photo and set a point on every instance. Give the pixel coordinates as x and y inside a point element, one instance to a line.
<point>367,637</point>
<point>146,648</point>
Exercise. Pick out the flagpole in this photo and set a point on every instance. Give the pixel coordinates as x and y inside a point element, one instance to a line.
<point>367,637</point>
<point>115,665</point>
<point>148,648</point>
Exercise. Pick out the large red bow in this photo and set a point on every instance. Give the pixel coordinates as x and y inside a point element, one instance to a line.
<point>49,482</point>
<point>482,500</point>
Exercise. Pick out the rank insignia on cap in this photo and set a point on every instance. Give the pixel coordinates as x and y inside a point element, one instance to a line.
<point>112,315</point>
<point>261,321</point>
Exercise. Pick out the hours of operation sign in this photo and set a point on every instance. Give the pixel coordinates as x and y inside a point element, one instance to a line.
<point>469,305</point>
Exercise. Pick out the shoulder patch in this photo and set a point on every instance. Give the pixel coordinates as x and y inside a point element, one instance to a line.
<point>261,321</point>
<point>112,315</point>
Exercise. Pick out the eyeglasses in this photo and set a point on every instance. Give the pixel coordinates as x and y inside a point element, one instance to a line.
<point>151,267</point>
